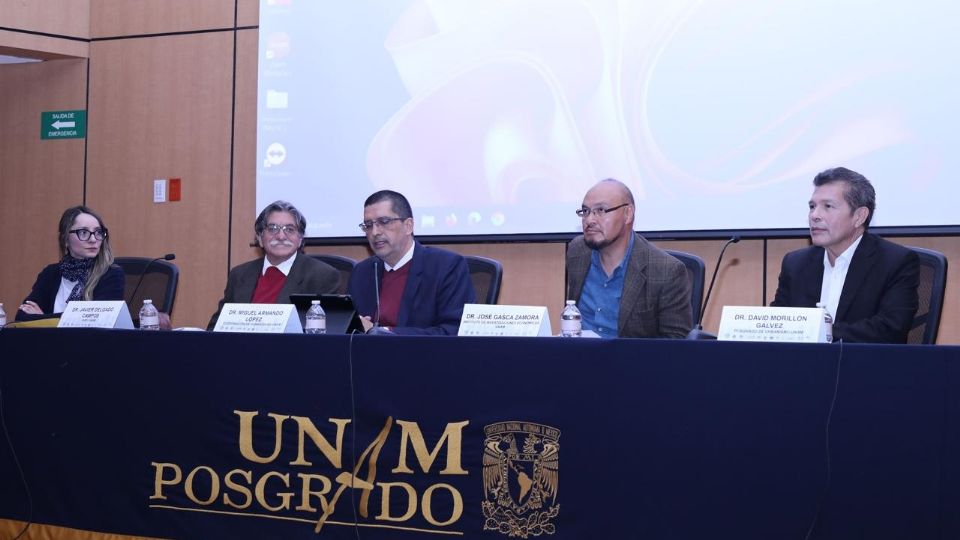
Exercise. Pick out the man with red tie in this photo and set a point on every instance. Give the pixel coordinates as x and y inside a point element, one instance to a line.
<point>283,270</point>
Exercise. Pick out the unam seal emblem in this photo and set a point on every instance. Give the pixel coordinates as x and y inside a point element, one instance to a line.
<point>520,471</point>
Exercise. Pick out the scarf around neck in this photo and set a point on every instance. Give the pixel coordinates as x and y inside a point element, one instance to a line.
<point>76,270</point>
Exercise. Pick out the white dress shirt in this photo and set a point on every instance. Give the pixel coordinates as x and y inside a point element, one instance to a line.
<point>834,277</point>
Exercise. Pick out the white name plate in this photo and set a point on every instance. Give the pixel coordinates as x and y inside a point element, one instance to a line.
<point>259,319</point>
<point>96,314</point>
<point>754,323</point>
<point>496,320</point>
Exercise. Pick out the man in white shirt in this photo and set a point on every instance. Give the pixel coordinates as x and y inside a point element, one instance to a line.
<point>868,284</point>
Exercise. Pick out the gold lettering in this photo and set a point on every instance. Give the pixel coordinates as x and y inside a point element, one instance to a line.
<point>428,510</point>
<point>306,493</point>
<point>385,501</point>
<point>246,435</point>
<point>284,497</point>
<point>243,489</point>
<point>306,427</point>
<point>158,480</point>
<point>453,434</point>
<point>350,480</point>
<point>214,485</point>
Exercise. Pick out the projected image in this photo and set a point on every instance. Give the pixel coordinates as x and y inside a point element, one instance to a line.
<point>494,117</point>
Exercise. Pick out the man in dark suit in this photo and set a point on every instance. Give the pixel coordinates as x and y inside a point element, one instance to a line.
<point>421,289</point>
<point>282,270</point>
<point>868,284</point>
<point>624,286</point>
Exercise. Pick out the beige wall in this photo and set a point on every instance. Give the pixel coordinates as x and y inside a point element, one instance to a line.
<point>163,102</point>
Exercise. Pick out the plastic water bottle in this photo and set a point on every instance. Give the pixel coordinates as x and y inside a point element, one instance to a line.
<point>3,316</point>
<point>827,322</point>
<point>571,320</point>
<point>149,316</point>
<point>316,319</point>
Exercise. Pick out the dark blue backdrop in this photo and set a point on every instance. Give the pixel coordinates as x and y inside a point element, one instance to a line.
<point>657,439</point>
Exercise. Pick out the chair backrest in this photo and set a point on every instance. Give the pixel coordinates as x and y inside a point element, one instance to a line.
<point>486,275</point>
<point>933,283</point>
<point>342,264</point>
<point>159,283</point>
<point>696,273</point>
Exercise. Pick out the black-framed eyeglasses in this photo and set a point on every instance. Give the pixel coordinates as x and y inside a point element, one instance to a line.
<point>382,222</point>
<point>275,229</point>
<point>599,212</point>
<point>83,234</point>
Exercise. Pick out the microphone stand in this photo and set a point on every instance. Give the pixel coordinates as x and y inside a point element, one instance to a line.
<point>697,331</point>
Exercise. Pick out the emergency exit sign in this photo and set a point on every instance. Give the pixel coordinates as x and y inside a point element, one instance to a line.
<point>63,125</point>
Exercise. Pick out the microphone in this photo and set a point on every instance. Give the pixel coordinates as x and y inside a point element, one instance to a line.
<point>376,291</point>
<point>697,331</point>
<point>143,273</point>
<point>377,330</point>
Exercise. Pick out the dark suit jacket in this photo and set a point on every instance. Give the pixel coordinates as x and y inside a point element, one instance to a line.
<point>656,290</point>
<point>307,276</point>
<point>44,293</point>
<point>879,297</point>
<point>437,288</point>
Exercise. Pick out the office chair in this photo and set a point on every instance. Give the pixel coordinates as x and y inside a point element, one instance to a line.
<point>159,283</point>
<point>696,273</point>
<point>342,264</point>
<point>933,284</point>
<point>486,274</point>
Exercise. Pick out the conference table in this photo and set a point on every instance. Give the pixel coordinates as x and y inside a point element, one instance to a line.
<point>210,435</point>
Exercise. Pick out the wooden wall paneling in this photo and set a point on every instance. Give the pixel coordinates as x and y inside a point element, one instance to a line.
<point>248,12</point>
<point>160,108</point>
<point>113,18</point>
<point>39,179</point>
<point>45,47</point>
<point>245,149</point>
<point>59,17</point>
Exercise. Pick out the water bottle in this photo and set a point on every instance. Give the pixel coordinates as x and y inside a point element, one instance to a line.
<point>3,316</point>
<point>316,319</point>
<point>149,316</point>
<point>827,322</point>
<point>570,320</point>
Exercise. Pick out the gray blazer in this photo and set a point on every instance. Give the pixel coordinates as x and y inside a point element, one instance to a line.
<point>656,290</point>
<point>307,276</point>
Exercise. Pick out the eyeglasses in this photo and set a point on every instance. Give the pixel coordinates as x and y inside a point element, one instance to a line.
<point>83,234</point>
<point>382,222</point>
<point>275,229</point>
<point>599,212</point>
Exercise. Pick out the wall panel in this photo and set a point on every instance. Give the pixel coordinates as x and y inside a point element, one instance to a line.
<point>248,12</point>
<point>245,149</point>
<point>59,17</point>
<point>38,178</point>
<point>112,18</point>
<point>160,108</point>
<point>45,47</point>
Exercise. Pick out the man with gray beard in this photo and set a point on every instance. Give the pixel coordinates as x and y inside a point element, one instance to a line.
<point>283,270</point>
<point>623,285</point>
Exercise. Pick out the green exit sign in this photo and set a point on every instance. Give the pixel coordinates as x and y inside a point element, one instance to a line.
<point>63,125</point>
